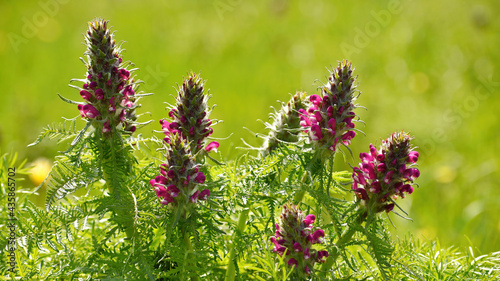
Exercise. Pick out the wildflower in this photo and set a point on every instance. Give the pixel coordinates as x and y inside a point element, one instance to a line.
<point>328,121</point>
<point>386,173</point>
<point>180,180</point>
<point>108,90</point>
<point>293,235</point>
<point>190,116</point>
<point>286,125</point>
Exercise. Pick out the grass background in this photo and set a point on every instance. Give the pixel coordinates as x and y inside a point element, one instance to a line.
<point>428,67</point>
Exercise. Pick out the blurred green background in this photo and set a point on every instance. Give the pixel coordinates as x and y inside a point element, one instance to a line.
<point>428,67</point>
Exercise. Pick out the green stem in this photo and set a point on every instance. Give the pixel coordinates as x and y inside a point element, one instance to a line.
<point>189,247</point>
<point>242,222</point>
<point>299,195</point>
<point>346,238</point>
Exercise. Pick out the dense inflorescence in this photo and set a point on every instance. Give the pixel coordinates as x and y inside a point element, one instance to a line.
<point>295,236</point>
<point>190,116</point>
<point>180,180</point>
<point>286,124</point>
<point>328,121</point>
<point>386,173</point>
<point>109,89</point>
<point>180,177</point>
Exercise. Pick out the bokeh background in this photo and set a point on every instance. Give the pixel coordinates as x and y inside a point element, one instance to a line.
<point>428,67</point>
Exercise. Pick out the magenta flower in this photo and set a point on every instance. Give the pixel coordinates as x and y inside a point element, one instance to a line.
<point>212,146</point>
<point>328,120</point>
<point>88,111</point>
<point>294,233</point>
<point>108,84</point>
<point>386,173</point>
<point>180,179</point>
<point>309,219</point>
<point>190,116</point>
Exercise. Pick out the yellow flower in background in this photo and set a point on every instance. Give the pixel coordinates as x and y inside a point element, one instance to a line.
<point>41,168</point>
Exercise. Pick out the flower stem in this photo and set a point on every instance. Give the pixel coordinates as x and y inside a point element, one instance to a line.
<point>189,247</point>
<point>231,270</point>
<point>299,195</point>
<point>345,238</point>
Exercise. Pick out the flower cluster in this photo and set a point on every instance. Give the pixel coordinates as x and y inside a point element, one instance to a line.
<point>109,89</point>
<point>190,116</point>
<point>386,173</point>
<point>295,236</point>
<point>286,125</point>
<point>180,179</point>
<point>329,119</point>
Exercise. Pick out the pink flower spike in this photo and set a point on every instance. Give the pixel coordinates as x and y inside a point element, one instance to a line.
<point>200,178</point>
<point>92,85</point>
<point>212,146</point>
<point>292,262</point>
<point>204,194</point>
<point>309,219</point>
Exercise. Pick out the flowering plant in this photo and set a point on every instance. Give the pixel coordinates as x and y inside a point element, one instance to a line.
<point>121,206</point>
